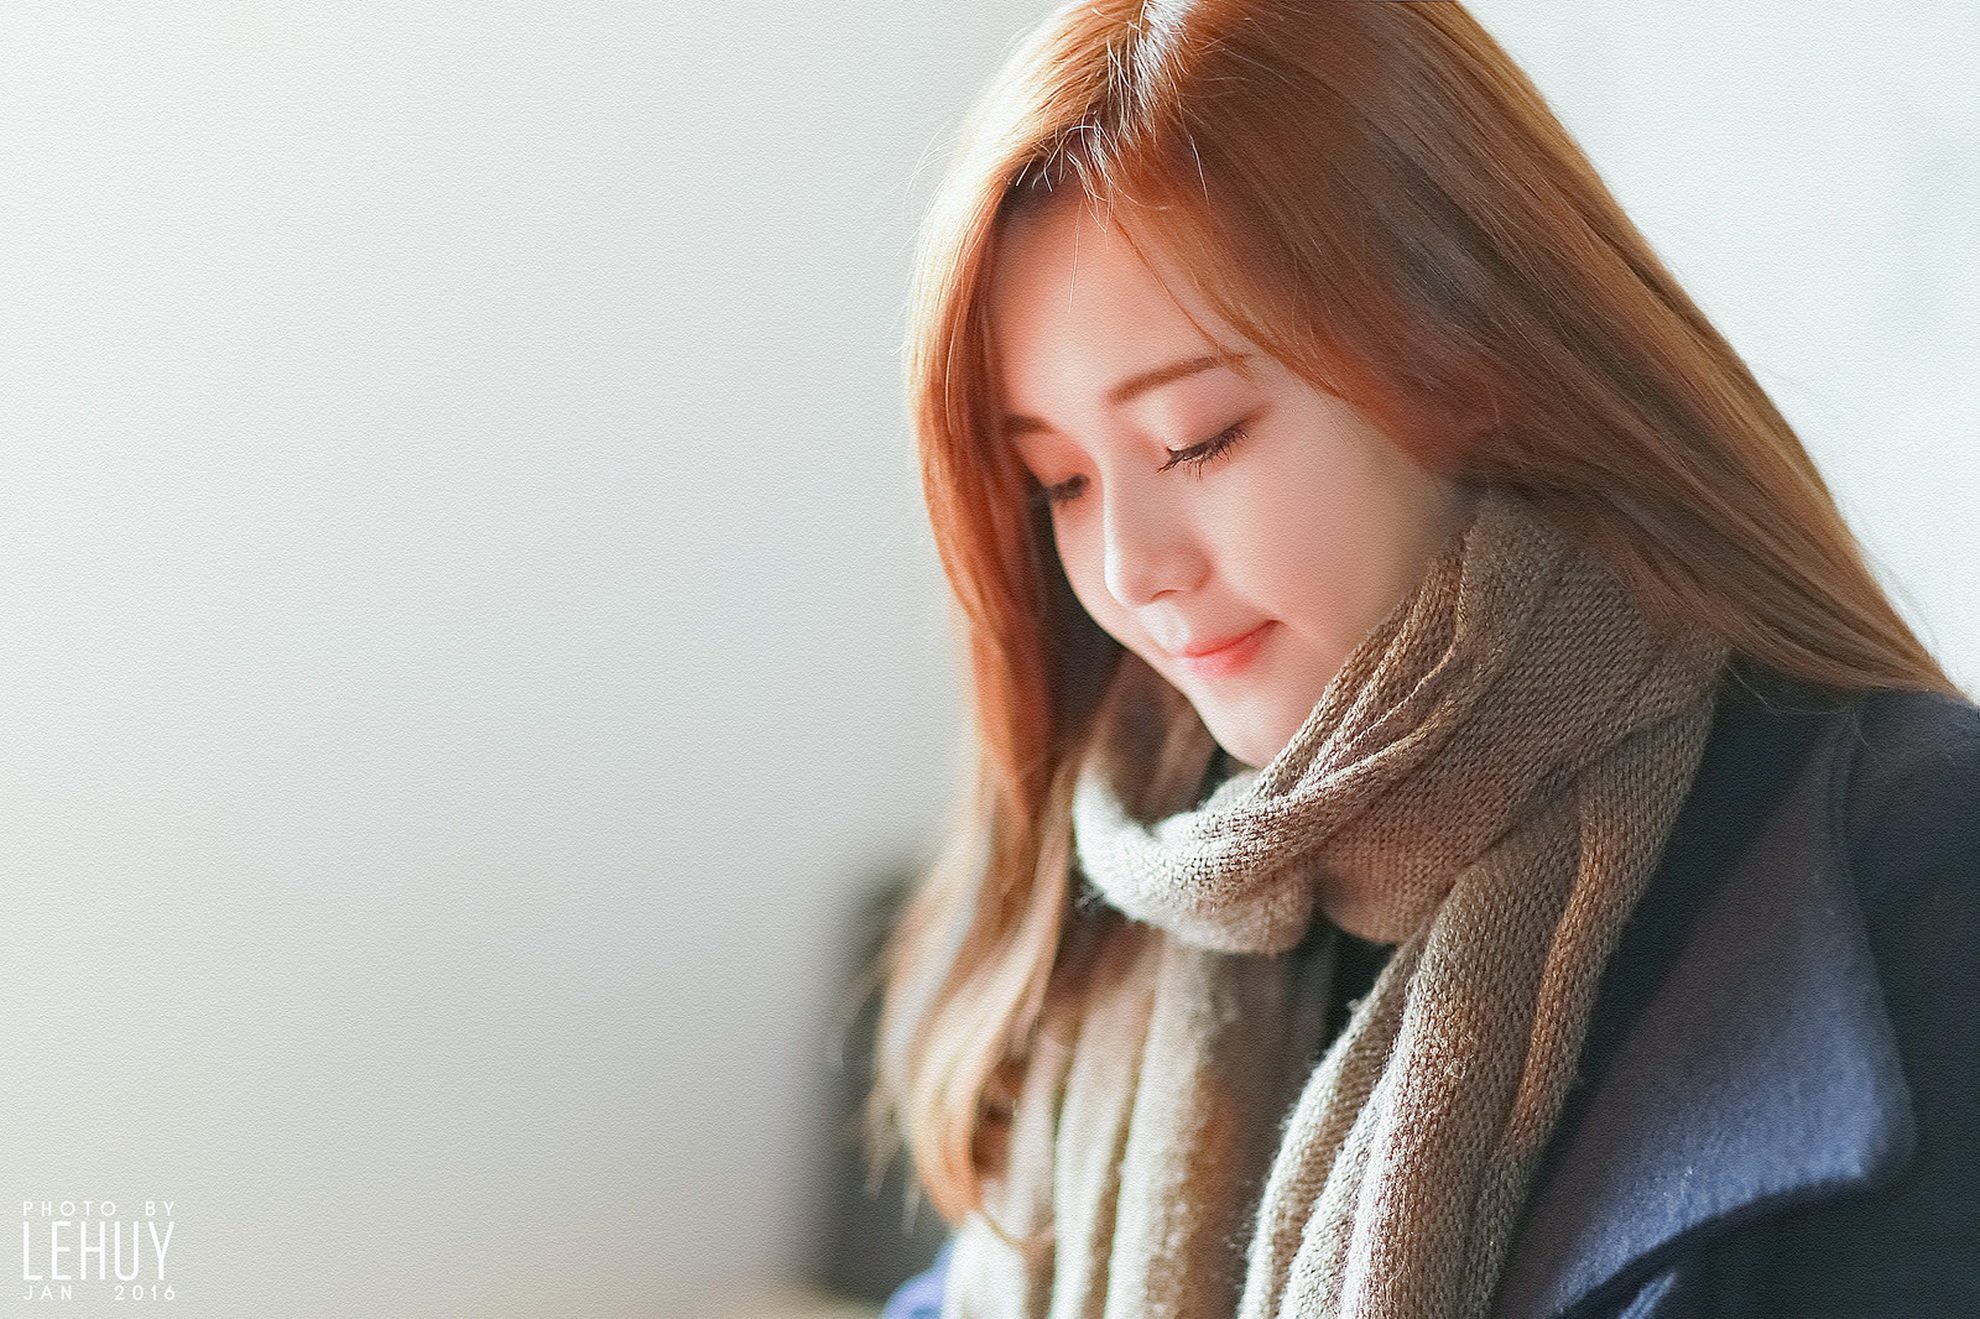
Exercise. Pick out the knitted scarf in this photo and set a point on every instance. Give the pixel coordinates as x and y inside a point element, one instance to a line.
<point>1502,758</point>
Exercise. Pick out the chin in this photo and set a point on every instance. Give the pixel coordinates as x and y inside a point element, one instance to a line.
<point>1246,745</point>
<point>1252,726</point>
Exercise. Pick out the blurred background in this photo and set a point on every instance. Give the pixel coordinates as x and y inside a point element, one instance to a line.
<point>469,648</point>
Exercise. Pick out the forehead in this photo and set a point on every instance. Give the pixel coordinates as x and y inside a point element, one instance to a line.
<point>1076,305</point>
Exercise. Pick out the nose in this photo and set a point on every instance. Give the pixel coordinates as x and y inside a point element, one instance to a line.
<point>1150,550</point>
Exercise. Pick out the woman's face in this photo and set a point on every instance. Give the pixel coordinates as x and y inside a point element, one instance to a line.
<point>1235,527</point>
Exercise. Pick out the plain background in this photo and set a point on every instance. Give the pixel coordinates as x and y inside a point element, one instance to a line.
<point>467,632</point>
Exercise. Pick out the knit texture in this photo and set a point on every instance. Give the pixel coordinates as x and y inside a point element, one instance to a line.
<point>1501,760</point>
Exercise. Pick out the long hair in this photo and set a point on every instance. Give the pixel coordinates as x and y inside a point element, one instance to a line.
<point>1371,192</point>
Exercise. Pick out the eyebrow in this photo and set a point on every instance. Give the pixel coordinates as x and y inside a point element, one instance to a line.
<point>1136,385</point>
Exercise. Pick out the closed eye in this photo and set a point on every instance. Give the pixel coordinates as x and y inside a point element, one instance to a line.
<point>1061,492</point>
<point>1199,455</point>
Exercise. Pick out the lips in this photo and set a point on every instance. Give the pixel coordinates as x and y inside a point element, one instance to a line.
<point>1221,657</point>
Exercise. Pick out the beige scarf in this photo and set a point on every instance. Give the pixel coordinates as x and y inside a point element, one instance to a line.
<point>1503,758</point>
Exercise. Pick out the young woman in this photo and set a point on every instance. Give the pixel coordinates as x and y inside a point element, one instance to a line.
<point>1459,830</point>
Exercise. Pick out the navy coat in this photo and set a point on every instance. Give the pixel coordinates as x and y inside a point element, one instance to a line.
<point>1779,1109</point>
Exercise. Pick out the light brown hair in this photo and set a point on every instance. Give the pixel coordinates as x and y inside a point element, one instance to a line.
<point>1370,191</point>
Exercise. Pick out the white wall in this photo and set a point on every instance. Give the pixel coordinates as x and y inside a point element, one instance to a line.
<point>465,623</point>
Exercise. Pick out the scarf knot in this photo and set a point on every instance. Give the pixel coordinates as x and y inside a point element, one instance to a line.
<point>1495,770</point>
<point>1475,697</point>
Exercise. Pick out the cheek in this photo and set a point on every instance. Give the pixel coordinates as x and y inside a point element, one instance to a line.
<point>1320,562</point>
<point>1274,536</point>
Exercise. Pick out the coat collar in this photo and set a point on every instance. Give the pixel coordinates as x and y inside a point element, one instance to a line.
<point>1741,1057</point>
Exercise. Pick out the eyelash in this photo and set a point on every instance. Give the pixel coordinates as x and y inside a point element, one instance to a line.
<point>1198,456</point>
<point>1062,492</point>
<point>1195,457</point>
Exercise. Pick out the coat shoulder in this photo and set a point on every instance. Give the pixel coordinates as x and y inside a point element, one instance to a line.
<point>1909,808</point>
<point>1776,1114</point>
<point>1905,824</point>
